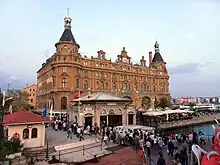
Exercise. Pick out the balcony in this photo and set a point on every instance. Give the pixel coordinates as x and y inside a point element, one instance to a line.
<point>66,89</point>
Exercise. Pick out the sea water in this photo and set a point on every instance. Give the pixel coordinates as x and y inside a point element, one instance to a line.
<point>206,129</point>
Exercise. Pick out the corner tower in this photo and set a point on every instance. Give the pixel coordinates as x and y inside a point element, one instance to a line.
<point>67,40</point>
<point>157,61</point>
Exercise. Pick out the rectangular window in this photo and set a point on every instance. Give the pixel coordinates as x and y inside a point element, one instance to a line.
<point>64,82</point>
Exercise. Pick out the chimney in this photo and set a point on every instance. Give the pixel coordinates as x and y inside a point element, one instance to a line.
<point>150,58</point>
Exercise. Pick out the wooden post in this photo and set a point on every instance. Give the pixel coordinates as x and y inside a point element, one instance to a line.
<point>83,150</point>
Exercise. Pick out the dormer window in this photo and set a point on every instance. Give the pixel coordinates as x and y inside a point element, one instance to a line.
<point>85,63</point>
<point>96,65</point>
<point>102,65</point>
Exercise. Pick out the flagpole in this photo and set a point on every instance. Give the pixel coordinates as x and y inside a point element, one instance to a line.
<point>79,106</point>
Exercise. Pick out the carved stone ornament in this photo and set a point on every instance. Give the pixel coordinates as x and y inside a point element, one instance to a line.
<point>103,112</point>
<point>119,112</point>
<point>89,115</point>
<point>111,112</point>
<point>130,112</point>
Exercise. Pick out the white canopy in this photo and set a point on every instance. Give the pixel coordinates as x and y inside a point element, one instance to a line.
<point>166,112</point>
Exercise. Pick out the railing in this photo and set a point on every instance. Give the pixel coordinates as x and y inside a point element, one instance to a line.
<point>197,120</point>
<point>40,156</point>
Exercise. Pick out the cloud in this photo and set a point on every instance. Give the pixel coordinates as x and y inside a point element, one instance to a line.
<point>14,81</point>
<point>190,36</point>
<point>187,68</point>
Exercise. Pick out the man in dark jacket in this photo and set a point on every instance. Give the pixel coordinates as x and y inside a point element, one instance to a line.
<point>161,160</point>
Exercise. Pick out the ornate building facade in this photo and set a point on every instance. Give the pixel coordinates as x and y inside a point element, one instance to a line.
<point>67,72</point>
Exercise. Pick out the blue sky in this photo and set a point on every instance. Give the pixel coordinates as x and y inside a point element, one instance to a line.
<point>187,31</point>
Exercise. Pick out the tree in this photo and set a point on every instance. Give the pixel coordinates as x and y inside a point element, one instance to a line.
<point>164,103</point>
<point>20,99</point>
<point>191,106</point>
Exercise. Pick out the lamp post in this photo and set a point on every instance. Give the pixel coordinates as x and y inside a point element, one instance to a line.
<point>2,104</point>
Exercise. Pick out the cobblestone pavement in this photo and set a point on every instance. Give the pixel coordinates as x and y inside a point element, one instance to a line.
<point>60,137</point>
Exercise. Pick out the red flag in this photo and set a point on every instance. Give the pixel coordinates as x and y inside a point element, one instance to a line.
<point>85,56</point>
<point>76,96</point>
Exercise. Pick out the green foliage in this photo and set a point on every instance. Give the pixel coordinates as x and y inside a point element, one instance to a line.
<point>20,99</point>
<point>10,147</point>
<point>191,105</point>
<point>164,103</point>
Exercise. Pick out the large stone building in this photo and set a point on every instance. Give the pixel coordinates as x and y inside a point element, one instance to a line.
<point>67,72</point>
<point>31,90</point>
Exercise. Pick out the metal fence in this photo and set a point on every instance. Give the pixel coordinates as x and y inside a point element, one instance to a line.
<point>41,156</point>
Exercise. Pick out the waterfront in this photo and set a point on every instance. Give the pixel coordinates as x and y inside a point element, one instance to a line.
<point>207,129</point>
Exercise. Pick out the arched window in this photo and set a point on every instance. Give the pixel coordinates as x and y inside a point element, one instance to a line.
<point>26,133</point>
<point>97,85</point>
<point>162,89</point>
<point>126,86</point>
<point>64,82</point>
<point>114,85</point>
<point>122,86</point>
<point>135,87</point>
<point>145,88</point>
<point>154,89</point>
<point>63,103</point>
<point>102,85</point>
<point>86,85</point>
<point>129,87</point>
<point>106,85</point>
<point>77,83</point>
<point>34,133</point>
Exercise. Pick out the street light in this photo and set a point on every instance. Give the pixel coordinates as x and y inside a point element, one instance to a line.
<point>2,104</point>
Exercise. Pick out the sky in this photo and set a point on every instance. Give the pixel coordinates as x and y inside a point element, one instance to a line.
<point>188,32</point>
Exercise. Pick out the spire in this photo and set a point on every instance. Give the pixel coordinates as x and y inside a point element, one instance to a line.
<point>157,56</point>
<point>156,46</point>
<point>67,35</point>
<point>67,20</point>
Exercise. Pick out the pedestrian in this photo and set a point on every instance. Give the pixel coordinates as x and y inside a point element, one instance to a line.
<point>148,148</point>
<point>69,133</point>
<point>161,160</point>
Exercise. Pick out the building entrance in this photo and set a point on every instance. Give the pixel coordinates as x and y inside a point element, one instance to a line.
<point>88,121</point>
<point>114,120</point>
<point>130,119</point>
<point>103,121</point>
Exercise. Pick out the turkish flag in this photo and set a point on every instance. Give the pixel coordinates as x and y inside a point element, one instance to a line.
<point>76,96</point>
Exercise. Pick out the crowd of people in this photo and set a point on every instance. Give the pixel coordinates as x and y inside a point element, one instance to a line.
<point>178,146</point>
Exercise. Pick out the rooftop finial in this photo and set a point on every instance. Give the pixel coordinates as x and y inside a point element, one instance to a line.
<point>68,12</point>
<point>156,46</point>
<point>67,20</point>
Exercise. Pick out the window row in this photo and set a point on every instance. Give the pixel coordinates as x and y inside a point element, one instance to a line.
<point>26,133</point>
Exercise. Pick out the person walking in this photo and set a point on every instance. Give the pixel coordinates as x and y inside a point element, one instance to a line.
<point>148,148</point>
<point>69,133</point>
<point>161,160</point>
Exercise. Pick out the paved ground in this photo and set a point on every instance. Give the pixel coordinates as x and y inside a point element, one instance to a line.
<point>60,137</point>
<point>124,156</point>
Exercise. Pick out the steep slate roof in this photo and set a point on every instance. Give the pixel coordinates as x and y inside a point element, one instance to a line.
<point>67,36</point>
<point>100,96</point>
<point>157,57</point>
<point>22,117</point>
